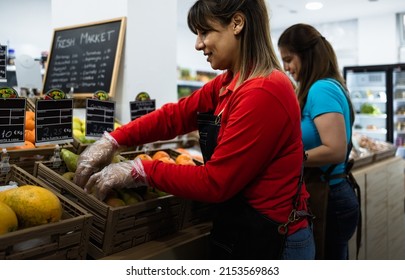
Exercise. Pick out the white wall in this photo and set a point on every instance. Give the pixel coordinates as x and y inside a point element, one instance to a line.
<point>65,13</point>
<point>149,56</point>
<point>26,26</point>
<point>377,40</point>
<point>150,52</point>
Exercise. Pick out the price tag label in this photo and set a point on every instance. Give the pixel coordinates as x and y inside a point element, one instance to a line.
<point>12,122</point>
<point>3,63</point>
<point>54,121</point>
<point>99,117</point>
<point>140,108</point>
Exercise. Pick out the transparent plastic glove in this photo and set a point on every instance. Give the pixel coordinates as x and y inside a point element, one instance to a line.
<point>94,158</point>
<point>127,174</point>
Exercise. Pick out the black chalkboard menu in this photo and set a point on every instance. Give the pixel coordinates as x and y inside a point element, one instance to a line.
<point>53,121</point>
<point>140,108</point>
<point>12,121</point>
<point>3,62</point>
<point>99,117</point>
<point>85,58</point>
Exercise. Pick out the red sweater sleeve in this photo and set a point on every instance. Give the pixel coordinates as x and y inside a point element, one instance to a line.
<point>172,119</point>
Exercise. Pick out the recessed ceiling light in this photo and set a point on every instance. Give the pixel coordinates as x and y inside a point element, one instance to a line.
<point>313,5</point>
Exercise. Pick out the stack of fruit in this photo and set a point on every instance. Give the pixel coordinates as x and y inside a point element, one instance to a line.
<point>79,130</point>
<point>117,197</point>
<point>29,132</point>
<point>127,196</point>
<point>28,206</point>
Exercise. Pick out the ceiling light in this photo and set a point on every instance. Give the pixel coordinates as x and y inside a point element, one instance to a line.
<point>313,5</point>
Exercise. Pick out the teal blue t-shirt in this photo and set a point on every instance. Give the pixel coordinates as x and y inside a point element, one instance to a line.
<point>324,96</point>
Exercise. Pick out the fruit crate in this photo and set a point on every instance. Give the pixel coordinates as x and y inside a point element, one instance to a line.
<point>193,212</point>
<point>115,229</point>
<point>31,104</point>
<point>79,146</point>
<point>26,158</point>
<point>66,239</point>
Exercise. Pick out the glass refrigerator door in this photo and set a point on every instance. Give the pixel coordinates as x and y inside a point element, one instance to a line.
<point>398,79</point>
<point>369,98</point>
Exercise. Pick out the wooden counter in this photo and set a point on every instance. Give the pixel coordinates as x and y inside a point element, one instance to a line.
<point>383,231</point>
<point>382,201</point>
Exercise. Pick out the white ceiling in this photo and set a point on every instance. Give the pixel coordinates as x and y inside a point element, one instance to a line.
<point>284,13</point>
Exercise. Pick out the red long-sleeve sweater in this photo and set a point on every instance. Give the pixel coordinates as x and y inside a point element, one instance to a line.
<point>259,147</point>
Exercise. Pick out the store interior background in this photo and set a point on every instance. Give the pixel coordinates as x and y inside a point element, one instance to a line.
<point>158,41</point>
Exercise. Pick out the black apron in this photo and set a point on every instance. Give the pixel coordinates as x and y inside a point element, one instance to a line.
<point>239,231</point>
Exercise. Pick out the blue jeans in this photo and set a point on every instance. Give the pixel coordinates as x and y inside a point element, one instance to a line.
<point>342,217</point>
<point>300,245</point>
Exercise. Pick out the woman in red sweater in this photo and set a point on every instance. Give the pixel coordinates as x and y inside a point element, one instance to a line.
<point>250,136</point>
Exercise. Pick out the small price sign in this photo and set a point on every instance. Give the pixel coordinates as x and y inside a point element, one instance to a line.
<point>12,121</point>
<point>140,108</point>
<point>54,121</point>
<point>99,117</point>
<point>3,63</point>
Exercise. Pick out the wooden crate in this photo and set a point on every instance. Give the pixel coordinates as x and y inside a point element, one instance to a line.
<point>26,158</point>
<point>115,229</point>
<point>66,239</point>
<point>194,212</point>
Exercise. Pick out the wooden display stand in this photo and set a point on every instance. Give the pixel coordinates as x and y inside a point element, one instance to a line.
<point>383,218</point>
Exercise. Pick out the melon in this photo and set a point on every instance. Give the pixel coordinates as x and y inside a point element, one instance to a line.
<point>8,221</point>
<point>33,205</point>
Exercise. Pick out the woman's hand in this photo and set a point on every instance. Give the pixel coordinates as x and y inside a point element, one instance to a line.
<point>128,174</point>
<point>94,158</point>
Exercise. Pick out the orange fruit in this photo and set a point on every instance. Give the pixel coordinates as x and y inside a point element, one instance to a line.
<point>30,115</point>
<point>29,120</point>
<point>144,157</point>
<point>30,135</point>
<point>160,154</point>
<point>184,159</point>
<point>27,145</point>
<point>182,151</point>
<point>167,160</point>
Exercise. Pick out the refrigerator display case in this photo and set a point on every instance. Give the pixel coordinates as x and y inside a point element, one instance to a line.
<point>378,95</point>
<point>398,89</point>
<point>370,97</point>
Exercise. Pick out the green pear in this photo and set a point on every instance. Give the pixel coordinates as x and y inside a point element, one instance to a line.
<point>118,158</point>
<point>150,195</point>
<point>69,175</point>
<point>129,196</point>
<point>160,193</point>
<point>70,159</point>
<point>114,202</point>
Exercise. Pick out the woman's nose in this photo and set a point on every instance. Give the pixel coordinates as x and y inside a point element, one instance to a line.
<point>199,45</point>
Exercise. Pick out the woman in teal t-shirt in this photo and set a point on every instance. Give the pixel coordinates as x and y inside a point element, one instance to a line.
<point>326,125</point>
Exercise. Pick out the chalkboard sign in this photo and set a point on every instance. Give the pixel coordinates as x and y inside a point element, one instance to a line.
<point>53,121</point>
<point>99,117</point>
<point>12,121</point>
<point>140,108</point>
<point>3,63</point>
<point>85,58</point>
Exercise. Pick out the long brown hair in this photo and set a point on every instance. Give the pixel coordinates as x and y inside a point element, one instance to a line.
<point>258,55</point>
<point>318,59</point>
